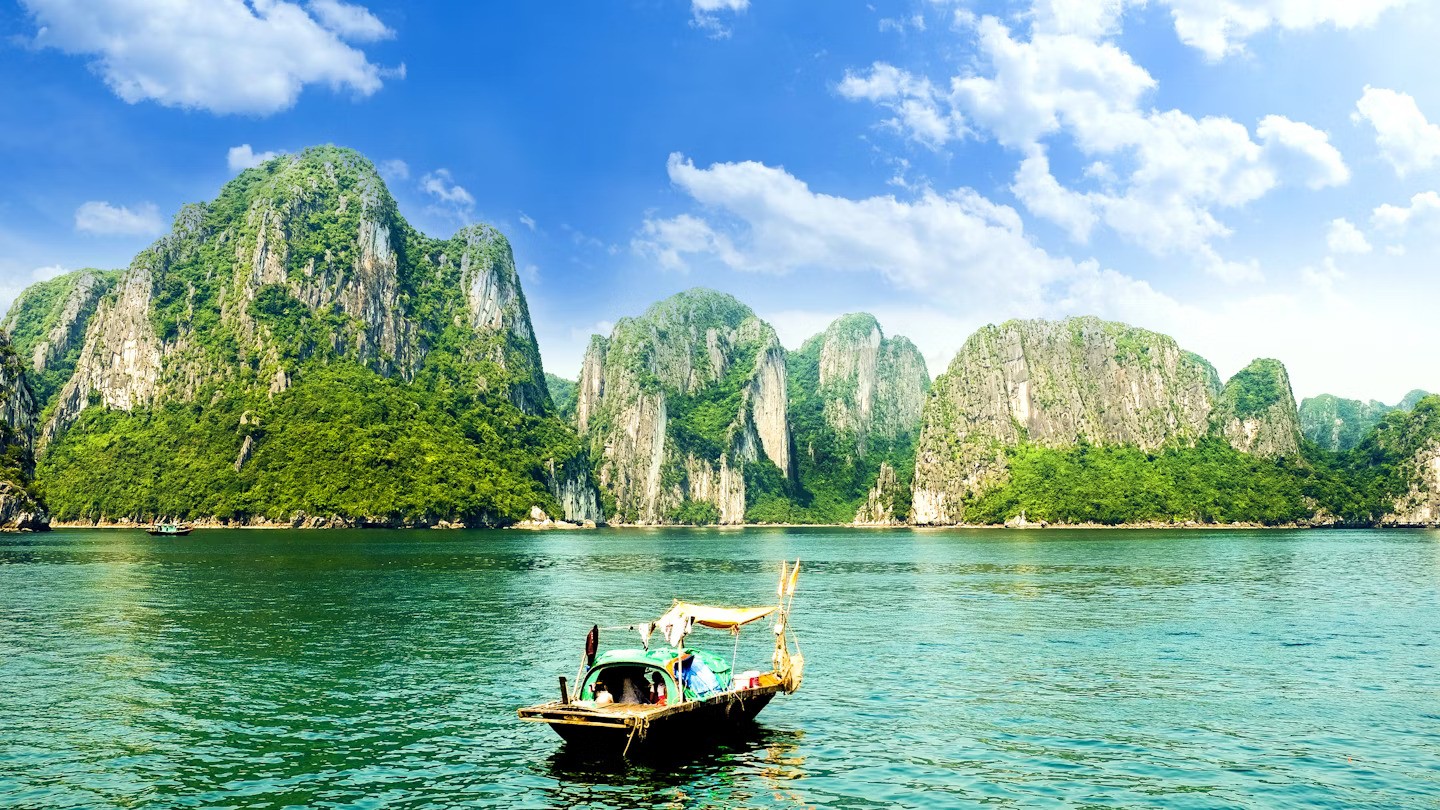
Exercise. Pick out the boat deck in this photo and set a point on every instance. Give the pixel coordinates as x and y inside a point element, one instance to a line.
<point>638,715</point>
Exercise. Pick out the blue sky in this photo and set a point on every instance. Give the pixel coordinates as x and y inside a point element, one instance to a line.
<point>1254,177</point>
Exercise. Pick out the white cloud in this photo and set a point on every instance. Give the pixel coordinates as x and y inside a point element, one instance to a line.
<point>1343,237</point>
<point>1091,19</point>
<point>1421,215</point>
<point>1043,196</point>
<point>959,246</point>
<point>394,169</point>
<point>527,221</point>
<point>442,186</point>
<point>1181,170</point>
<point>349,21</point>
<point>104,219</point>
<point>915,102</point>
<point>705,14</point>
<point>1301,151</point>
<point>1405,137</point>
<point>225,56</point>
<point>1221,27</point>
<point>243,157</point>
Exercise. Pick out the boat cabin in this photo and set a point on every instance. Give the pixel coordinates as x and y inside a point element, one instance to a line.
<point>632,676</point>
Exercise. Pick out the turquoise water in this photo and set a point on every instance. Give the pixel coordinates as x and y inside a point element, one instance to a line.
<point>1023,669</point>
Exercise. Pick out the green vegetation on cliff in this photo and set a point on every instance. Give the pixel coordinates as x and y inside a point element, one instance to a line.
<point>835,476</point>
<point>342,441</point>
<point>562,393</point>
<point>1212,482</point>
<point>1254,388</point>
<point>1340,424</point>
<point>1208,483</point>
<point>321,357</point>
<point>65,302</point>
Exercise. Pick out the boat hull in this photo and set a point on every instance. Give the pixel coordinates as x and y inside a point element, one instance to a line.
<point>693,725</point>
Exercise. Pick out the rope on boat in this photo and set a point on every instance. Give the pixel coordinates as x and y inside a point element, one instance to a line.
<point>639,728</point>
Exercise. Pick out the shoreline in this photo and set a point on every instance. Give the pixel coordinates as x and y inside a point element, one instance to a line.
<point>569,527</point>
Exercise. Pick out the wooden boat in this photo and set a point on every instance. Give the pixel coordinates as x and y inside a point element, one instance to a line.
<point>673,693</point>
<point>170,529</point>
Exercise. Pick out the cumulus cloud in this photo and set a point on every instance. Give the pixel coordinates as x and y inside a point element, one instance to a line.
<point>1303,152</point>
<point>1421,215</point>
<point>104,219</point>
<point>1181,170</point>
<point>243,157</point>
<point>1043,196</point>
<point>1407,140</point>
<point>224,56</point>
<point>1221,27</point>
<point>440,185</point>
<point>762,219</point>
<point>1343,237</point>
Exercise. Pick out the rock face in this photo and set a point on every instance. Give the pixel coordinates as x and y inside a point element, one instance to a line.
<point>1410,439</point>
<point>676,404</point>
<point>855,402</point>
<point>1256,411</point>
<point>872,387</point>
<point>1052,383</point>
<point>1421,505</point>
<point>316,230</point>
<point>19,508</point>
<point>1337,424</point>
<point>46,325</point>
<point>879,508</point>
<point>299,264</point>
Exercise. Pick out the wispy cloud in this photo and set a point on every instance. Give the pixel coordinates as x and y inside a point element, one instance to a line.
<point>103,219</point>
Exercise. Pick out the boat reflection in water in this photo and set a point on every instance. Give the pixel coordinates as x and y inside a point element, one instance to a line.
<point>674,693</point>
<point>749,765</point>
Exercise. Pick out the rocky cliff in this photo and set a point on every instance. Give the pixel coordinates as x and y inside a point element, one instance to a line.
<point>303,266</point>
<point>1338,424</point>
<point>1402,457</point>
<point>856,398</point>
<point>683,408</point>
<point>885,502</point>
<point>870,388</point>
<point>19,507</point>
<point>1052,384</point>
<point>1256,411</point>
<point>46,326</point>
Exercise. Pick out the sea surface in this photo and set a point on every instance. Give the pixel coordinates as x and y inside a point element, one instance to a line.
<point>269,669</point>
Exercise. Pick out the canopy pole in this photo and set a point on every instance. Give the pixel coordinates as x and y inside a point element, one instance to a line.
<point>735,653</point>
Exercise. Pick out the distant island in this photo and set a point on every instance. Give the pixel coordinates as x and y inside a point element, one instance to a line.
<point>294,353</point>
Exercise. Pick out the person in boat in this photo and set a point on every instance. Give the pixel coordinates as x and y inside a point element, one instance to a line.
<point>602,694</point>
<point>657,689</point>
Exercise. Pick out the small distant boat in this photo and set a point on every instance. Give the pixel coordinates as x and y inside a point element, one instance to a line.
<point>170,529</point>
<point>632,698</point>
